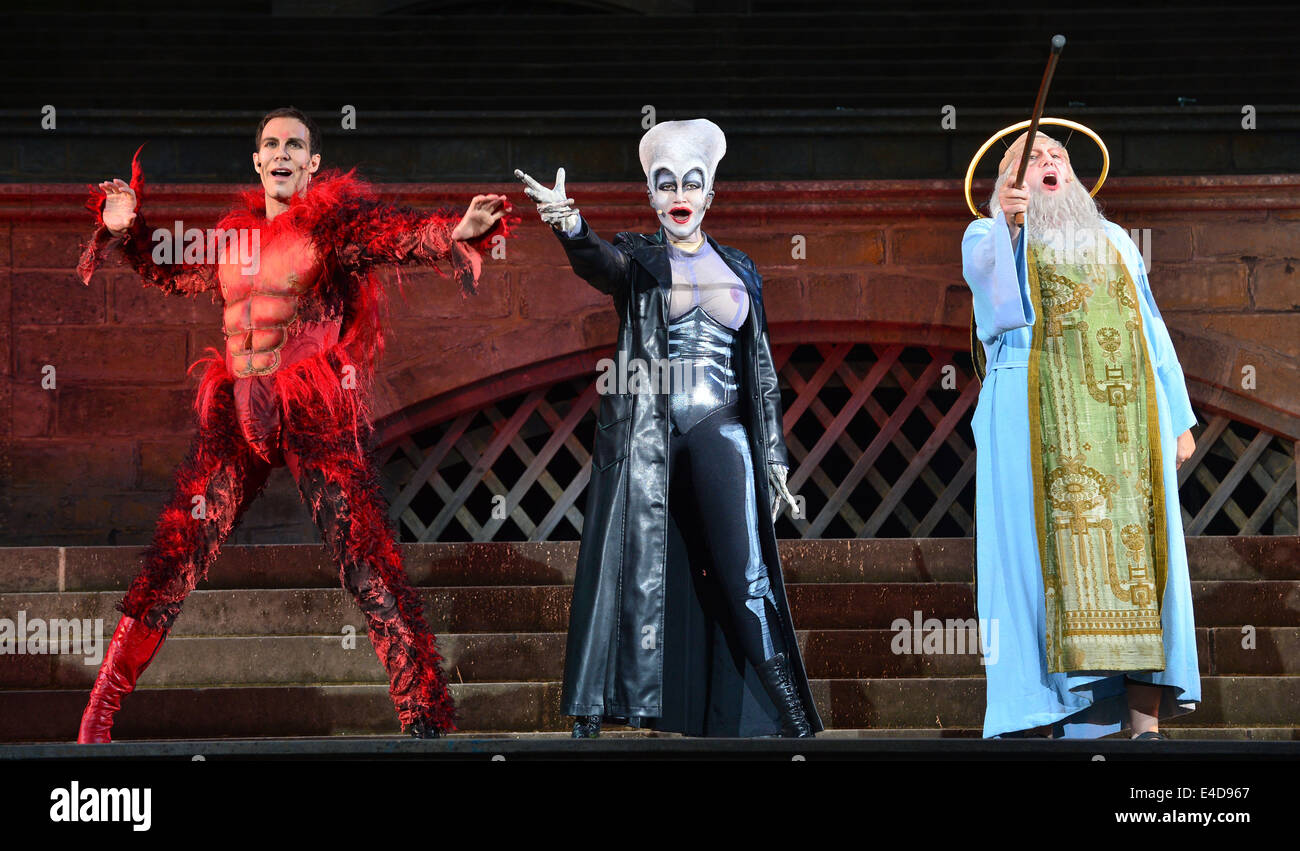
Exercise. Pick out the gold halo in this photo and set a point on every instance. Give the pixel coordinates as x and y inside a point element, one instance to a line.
<point>1024,125</point>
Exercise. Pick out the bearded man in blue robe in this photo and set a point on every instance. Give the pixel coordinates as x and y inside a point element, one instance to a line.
<point>1083,419</point>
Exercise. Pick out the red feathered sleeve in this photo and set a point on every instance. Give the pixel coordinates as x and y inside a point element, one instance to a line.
<point>137,248</point>
<point>376,232</point>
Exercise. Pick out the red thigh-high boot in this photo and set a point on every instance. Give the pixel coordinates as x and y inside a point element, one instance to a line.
<point>227,474</point>
<point>129,653</point>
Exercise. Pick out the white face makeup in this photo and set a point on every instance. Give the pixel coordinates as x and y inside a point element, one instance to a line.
<point>679,160</point>
<point>680,201</point>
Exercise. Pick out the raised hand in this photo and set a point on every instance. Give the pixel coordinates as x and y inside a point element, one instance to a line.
<point>119,205</point>
<point>1013,200</point>
<point>483,212</point>
<point>554,208</point>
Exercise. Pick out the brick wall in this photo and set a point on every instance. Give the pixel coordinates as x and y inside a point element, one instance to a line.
<point>90,461</point>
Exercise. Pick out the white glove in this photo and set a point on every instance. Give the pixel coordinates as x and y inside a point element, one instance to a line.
<point>555,209</point>
<point>776,474</point>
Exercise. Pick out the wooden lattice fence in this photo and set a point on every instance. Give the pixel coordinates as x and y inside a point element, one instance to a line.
<point>879,441</point>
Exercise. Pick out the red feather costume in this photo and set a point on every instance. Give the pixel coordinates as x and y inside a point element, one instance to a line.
<point>289,391</point>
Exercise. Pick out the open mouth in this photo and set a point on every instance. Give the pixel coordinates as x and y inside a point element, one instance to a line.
<point>281,172</point>
<point>1049,179</point>
<point>680,215</point>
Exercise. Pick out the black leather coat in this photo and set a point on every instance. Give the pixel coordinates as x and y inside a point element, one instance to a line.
<point>648,635</point>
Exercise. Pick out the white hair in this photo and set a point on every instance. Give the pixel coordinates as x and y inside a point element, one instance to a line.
<point>1067,224</point>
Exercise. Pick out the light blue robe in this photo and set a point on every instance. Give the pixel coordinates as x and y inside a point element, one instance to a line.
<point>1021,693</point>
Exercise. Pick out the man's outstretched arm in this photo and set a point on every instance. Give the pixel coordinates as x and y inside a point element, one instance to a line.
<point>376,232</point>
<point>115,204</point>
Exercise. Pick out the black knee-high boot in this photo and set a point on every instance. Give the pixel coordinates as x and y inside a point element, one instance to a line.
<point>778,681</point>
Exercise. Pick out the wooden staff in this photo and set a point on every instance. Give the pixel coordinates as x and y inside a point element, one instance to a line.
<point>1058,42</point>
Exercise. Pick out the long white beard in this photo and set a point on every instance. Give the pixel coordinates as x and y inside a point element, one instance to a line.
<point>1065,226</point>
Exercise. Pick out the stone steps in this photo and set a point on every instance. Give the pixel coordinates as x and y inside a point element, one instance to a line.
<point>29,569</point>
<point>261,651</point>
<point>1266,734</point>
<point>936,704</point>
<point>541,608</point>
<point>533,657</point>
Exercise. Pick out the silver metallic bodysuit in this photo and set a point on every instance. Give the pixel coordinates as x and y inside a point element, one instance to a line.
<point>706,306</point>
<point>704,349</point>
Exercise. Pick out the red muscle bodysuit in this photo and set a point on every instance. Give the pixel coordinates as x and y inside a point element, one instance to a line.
<point>302,333</point>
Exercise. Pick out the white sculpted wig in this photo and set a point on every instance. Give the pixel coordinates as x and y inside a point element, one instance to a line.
<point>680,146</point>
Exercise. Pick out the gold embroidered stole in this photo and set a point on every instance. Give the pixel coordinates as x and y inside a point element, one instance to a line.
<point>1098,485</point>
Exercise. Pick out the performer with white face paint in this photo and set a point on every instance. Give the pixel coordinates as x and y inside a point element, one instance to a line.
<point>679,618</point>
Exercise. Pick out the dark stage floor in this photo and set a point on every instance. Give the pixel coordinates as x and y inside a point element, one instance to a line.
<point>647,748</point>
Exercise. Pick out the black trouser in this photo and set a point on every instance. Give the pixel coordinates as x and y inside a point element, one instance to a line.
<point>725,511</point>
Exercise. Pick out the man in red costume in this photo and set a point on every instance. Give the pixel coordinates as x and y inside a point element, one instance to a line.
<point>302,329</point>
